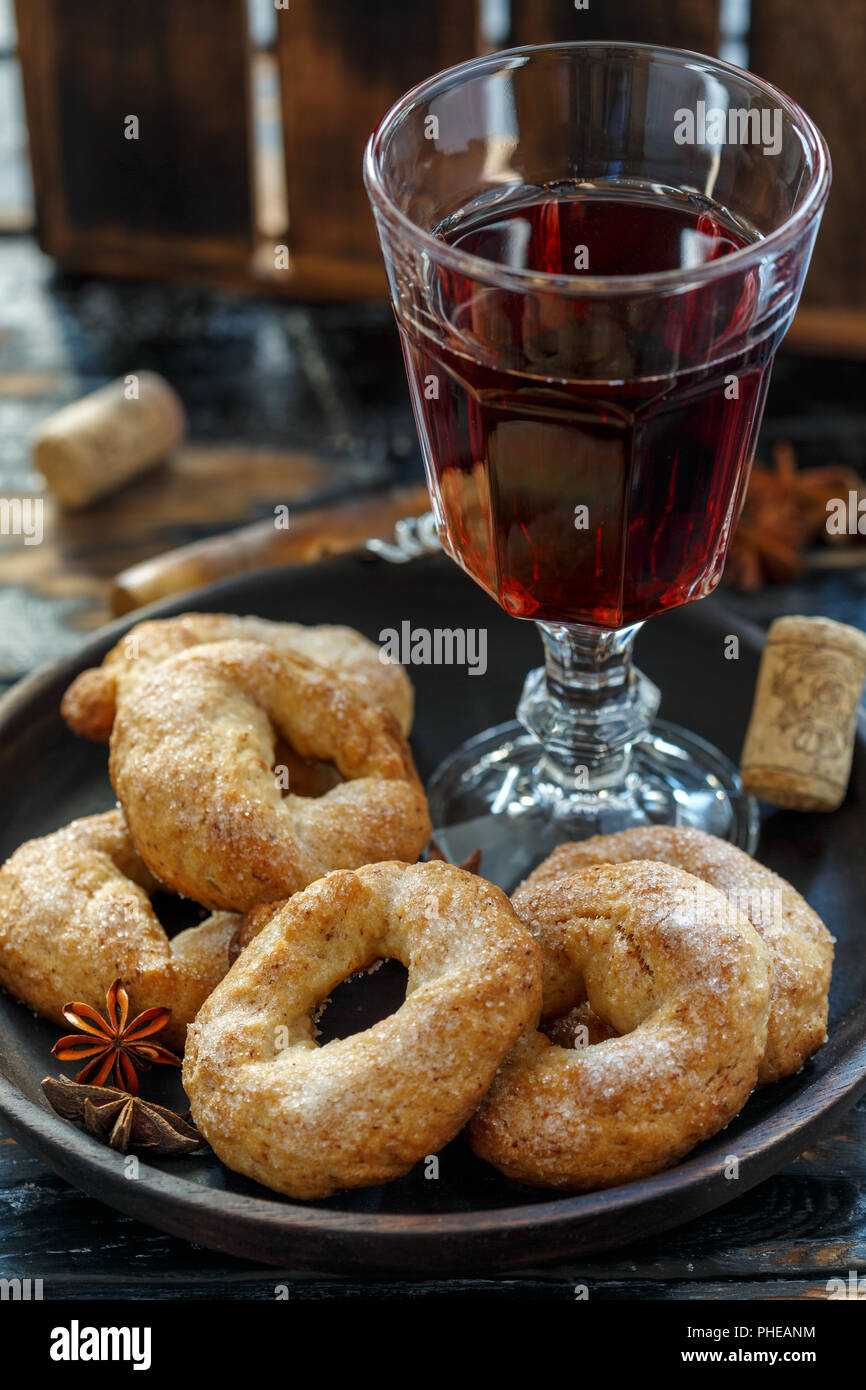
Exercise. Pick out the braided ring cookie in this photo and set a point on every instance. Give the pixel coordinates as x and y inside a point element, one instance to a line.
<point>75,915</point>
<point>661,957</point>
<point>90,703</point>
<point>192,752</point>
<point>307,1120</point>
<point>800,945</point>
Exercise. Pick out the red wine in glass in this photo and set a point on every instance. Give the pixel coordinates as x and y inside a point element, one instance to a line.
<point>589,306</point>
<point>573,494</point>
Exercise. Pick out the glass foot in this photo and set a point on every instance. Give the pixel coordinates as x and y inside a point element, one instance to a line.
<point>500,790</point>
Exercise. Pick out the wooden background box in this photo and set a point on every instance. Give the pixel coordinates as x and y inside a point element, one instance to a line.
<point>179,201</point>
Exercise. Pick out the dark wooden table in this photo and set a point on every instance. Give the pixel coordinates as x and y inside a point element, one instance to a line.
<point>295,404</point>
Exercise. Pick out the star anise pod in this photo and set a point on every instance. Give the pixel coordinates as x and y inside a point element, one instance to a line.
<point>785,512</point>
<point>112,1045</point>
<point>472,862</point>
<point>122,1120</point>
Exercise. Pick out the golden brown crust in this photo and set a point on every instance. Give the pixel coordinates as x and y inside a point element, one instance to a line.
<point>307,1120</point>
<point>90,703</point>
<point>192,752</point>
<point>664,960</point>
<point>800,945</point>
<point>75,914</point>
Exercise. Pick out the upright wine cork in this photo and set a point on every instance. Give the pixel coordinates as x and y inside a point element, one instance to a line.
<point>93,446</point>
<point>800,739</point>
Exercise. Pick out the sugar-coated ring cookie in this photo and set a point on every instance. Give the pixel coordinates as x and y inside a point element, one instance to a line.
<point>90,703</point>
<point>307,1120</point>
<point>192,752</point>
<point>683,979</point>
<point>75,915</point>
<point>800,945</point>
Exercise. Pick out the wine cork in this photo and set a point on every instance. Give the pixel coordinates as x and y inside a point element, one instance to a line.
<point>96,444</point>
<point>800,740</point>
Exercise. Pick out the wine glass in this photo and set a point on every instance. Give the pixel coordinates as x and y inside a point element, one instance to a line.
<point>593,252</point>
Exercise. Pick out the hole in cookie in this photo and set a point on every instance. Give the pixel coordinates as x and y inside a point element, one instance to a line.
<point>175,914</point>
<point>299,776</point>
<point>581,1027</point>
<point>363,1000</point>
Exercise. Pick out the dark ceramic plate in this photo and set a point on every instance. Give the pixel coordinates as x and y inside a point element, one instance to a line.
<point>470,1218</point>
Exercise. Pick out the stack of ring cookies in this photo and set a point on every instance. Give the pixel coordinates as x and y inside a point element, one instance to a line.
<point>618,1010</point>
<point>678,974</point>
<point>202,712</point>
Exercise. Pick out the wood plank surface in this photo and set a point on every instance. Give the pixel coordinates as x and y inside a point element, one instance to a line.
<point>201,489</point>
<point>783,1240</point>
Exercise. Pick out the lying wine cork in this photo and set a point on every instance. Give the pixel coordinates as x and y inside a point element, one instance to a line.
<point>800,740</point>
<point>93,446</point>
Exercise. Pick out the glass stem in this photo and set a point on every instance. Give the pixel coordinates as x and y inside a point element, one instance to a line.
<point>587,706</point>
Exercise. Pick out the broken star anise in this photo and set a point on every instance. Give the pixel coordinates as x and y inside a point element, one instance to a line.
<point>112,1044</point>
<point>785,512</point>
<point>123,1121</point>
